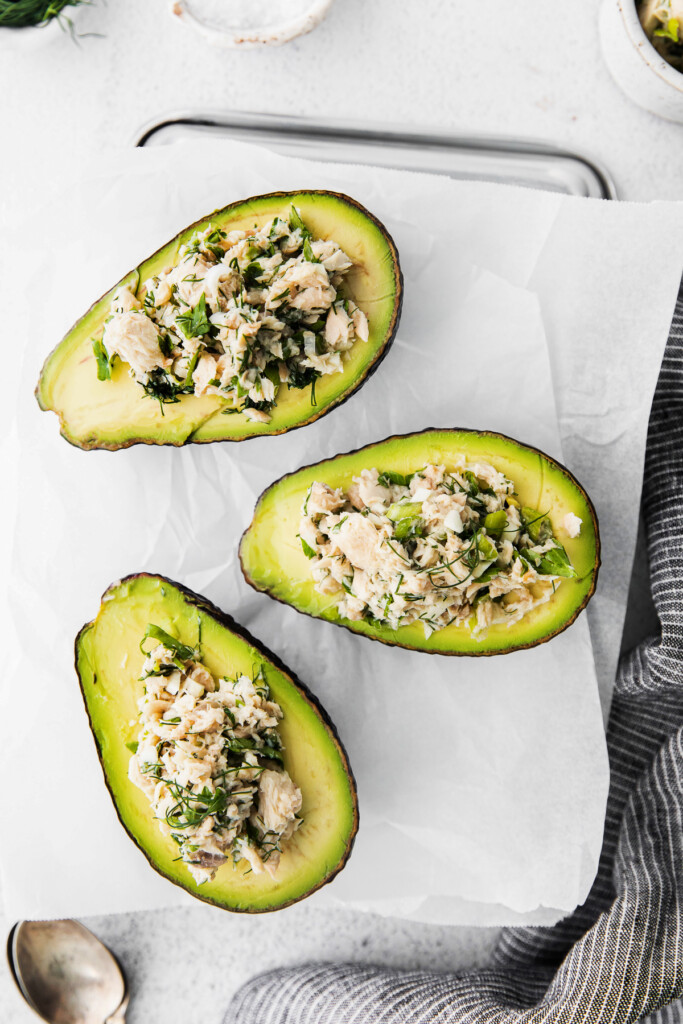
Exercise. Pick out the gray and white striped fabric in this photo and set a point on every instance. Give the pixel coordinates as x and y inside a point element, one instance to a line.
<point>619,958</point>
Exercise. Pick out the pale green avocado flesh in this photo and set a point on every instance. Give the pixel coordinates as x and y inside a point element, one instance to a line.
<point>116,414</point>
<point>109,664</point>
<point>273,560</point>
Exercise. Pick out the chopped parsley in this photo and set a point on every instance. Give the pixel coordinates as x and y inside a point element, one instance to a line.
<point>261,316</point>
<point>195,323</point>
<point>464,552</point>
<point>104,362</point>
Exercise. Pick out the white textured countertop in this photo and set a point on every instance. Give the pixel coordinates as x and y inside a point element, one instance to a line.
<point>521,71</point>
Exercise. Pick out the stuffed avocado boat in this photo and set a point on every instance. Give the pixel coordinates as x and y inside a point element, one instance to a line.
<point>254,320</point>
<point>446,541</point>
<point>222,766</point>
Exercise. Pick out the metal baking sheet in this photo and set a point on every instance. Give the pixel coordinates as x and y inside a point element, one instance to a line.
<point>483,158</point>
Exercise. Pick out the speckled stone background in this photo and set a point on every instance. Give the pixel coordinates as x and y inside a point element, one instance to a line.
<point>528,70</point>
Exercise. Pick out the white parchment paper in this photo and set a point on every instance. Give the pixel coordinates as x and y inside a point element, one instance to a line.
<point>482,783</point>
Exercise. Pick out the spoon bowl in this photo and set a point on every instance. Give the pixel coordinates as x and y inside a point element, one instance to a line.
<point>66,974</point>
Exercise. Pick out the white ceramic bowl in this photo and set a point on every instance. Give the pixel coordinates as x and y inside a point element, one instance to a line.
<point>221,33</point>
<point>636,66</point>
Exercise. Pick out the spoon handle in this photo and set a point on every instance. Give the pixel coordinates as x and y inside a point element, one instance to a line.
<point>119,1014</point>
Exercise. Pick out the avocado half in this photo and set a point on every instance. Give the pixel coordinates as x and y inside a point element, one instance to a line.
<point>273,561</point>
<point>108,662</point>
<point>115,413</point>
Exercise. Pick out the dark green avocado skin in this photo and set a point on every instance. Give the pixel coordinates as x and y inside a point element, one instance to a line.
<point>226,621</point>
<point>393,638</point>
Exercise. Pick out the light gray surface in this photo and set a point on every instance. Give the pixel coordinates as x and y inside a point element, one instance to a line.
<point>175,980</point>
<point>513,70</point>
<point>524,71</point>
<point>183,964</point>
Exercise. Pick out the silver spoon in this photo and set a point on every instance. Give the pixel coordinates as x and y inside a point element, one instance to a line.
<point>66,974</point>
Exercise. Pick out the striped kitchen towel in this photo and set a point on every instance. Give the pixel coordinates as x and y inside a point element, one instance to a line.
<point>619,957</point>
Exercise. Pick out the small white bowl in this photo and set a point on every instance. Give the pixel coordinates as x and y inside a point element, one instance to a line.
<point>635,65</point>
<point>274,33</point>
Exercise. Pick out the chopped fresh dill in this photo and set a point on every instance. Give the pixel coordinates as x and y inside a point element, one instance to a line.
<point>470,552</point>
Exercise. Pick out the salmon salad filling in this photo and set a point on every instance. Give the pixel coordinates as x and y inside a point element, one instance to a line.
<point>240,314</point>
<point>439,546</point>
<point>210,759</point>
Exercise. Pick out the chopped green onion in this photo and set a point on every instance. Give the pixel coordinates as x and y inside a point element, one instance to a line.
<point>669,31</point>
<point>556,563</point>
<point>402,510</point>
<point>536,524</point>
<point>411,526</point>
<point>495,523</point>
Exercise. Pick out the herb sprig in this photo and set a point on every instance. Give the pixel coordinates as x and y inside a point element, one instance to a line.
<point>408,528</point>
<point>181,651</point>
<point>24,13</point>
